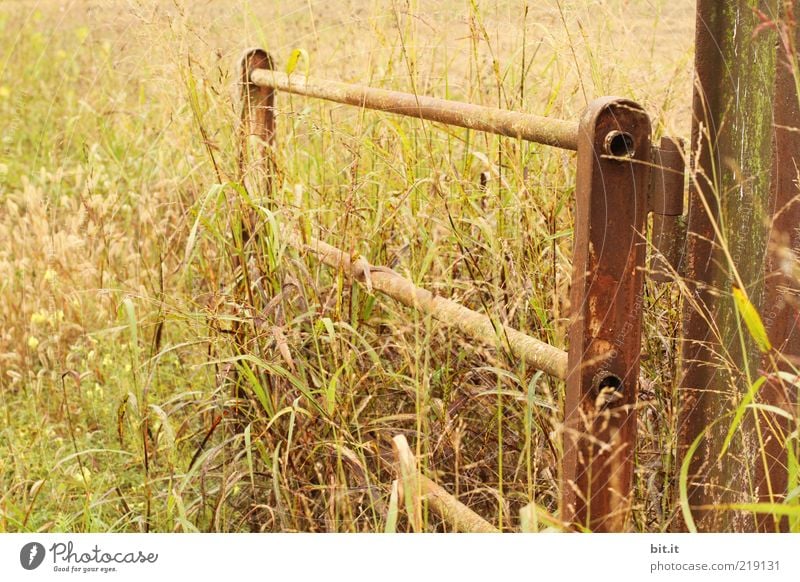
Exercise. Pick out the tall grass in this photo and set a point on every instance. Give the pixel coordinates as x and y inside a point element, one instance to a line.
<point>163,368</point>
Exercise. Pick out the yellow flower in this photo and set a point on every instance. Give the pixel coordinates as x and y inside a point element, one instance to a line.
<point>33,343</point>
<point>82,33</point>
<point>5,92</point>
<point>82,476</point>
<point>38,318</point>
<point>95,392</point>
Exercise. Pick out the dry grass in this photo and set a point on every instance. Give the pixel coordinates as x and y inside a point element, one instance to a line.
<point>149,384</point>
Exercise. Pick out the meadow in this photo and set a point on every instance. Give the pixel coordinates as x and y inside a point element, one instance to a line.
<point>144,388</point>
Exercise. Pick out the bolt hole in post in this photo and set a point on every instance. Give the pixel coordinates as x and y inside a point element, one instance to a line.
<point>608,389</point>
<point>620,144</point>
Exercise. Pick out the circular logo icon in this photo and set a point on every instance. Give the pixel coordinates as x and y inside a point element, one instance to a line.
<point>31,555</point>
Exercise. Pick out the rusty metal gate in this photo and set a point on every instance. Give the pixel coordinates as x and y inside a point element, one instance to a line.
<point>621,178</point>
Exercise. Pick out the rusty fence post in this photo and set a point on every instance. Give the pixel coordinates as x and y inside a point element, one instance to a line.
<point>256,151</point>
<point>257,127</point>
<point>666,203</point>
<point>256,140</point>
<point>614,153</point>
<point>256,169</point>
<point>780,312</point>
<point>726,247</point>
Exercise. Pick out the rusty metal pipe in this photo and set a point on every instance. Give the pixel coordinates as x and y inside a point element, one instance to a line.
<point>478,326</point>
<point>544,130</point>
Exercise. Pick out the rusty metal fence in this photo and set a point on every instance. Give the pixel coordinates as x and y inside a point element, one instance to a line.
<point>621,177</point>
<point>740,231</point>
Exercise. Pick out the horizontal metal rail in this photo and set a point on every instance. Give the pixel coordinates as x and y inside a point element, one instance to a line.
<point>544,130</point>
<point>415,486</point>
<point>536,353</point>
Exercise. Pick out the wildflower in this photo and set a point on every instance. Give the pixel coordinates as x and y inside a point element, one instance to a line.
<point>82,475</point>
<point>82,33</point>
<point>38,318</point>
<point>95,392</point>
<point>33,342</point>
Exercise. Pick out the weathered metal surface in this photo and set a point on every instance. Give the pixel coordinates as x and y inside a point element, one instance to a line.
<point>544,130</point>
<point>256,144</point>
<point>256,173</point>
<point>669,243</point>
<point>666,180</point>
<point>731,143</point>
<point>782,295</point>
<point>605,335</point>
<point>258,113</point>
<point>666,203</point>
<point>536,353</point>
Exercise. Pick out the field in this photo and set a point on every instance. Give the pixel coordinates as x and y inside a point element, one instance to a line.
<point>145,388</point>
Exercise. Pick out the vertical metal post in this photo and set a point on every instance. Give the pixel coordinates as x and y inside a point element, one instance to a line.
<point>666,203</point>
<point>605,335</point>
<point>258,115</point>
<point>256,174</point>
<point>728,198</point>
<point>780,313</point>
<point>256,145</point>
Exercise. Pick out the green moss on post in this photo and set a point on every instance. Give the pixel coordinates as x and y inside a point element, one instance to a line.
<point>726,246</point>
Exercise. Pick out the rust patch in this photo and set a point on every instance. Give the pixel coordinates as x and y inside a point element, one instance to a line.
<point>606,296</point>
